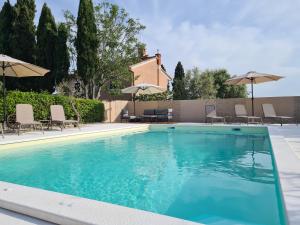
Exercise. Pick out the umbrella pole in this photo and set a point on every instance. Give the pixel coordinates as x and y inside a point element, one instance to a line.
<point>134,104</point>
<point>4,97</point>
<point>252,97</point>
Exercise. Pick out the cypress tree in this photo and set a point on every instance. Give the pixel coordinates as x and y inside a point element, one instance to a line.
<point>23,38</point>
<point>6,24</point>
<point>46,42</point>
<point>62,54</point>
<point>23,44</point>
<point>86,45</point>
<point>179,91</point>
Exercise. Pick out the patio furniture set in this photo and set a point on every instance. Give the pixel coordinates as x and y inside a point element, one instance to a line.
<point>241,113</point>
<point>149,115</point>
<point>24,118</point>
<point>166,115</point>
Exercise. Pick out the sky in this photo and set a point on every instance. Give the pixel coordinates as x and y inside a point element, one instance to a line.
<point>240,36</point>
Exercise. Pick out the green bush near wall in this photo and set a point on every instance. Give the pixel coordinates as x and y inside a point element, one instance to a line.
<point>89,110</point>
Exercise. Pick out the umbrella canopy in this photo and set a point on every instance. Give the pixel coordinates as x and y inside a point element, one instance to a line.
<point>145,89</point>
<point>253,77</point>
<point>16,68</point>
<point>142,89</point>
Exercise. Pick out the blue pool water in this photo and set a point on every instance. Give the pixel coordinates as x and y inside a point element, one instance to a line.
<point>208,177</point>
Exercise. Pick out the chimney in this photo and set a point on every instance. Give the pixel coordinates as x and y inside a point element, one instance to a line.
<point>158,58</point>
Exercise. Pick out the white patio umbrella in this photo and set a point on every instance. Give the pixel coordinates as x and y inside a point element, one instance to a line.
<point>145,89</point>
<point>16,68</point>
<point>252,78</point>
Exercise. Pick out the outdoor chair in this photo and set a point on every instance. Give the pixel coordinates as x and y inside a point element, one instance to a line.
<point>58,117</point>
<point>241,112</point>
<point>149,114</point>
<point>125,115</point>
<point>211,113</point>
<point>269,112</point>
<point>24,117</point>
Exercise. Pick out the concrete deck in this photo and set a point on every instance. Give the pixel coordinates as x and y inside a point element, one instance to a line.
<point>286,147</point>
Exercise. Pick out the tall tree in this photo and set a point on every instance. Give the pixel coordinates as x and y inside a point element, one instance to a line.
<point>179,91</point>
<point>46,42</point>
<point>23,38</point>
<point>118,47</point>
<point>62,58</point>
<point>87,46</point>
<point>200,85</point>
<point>227,91</point>
<point>23,43</point>
<point>6,24</point>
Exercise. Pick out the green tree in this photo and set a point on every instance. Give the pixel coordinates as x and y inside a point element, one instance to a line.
<point>200,85</point>
<point>23,43</point>
<point>87,46</point>
<point>46,43</point>
<point>6,24</point>
<point>224,90</point>
<point>179,87</point>
<point>118,47</point>
<point>23,37</point>
<point>62,62</point>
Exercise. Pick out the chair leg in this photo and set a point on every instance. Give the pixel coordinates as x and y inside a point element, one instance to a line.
<point>19,128</point>
<point>42,128</point>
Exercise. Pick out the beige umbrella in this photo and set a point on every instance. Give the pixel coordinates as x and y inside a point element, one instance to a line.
<point>16,68</point>
<point>252,77</point>
<point>146,89</point>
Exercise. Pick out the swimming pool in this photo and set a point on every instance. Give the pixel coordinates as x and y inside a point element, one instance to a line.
<point>202,174</point>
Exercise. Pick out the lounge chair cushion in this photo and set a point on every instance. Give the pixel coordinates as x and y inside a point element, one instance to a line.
<point>161,112</point>
<point>24,113</point>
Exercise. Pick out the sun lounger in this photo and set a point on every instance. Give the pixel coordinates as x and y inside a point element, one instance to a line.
<point>58,117</point>
<point>241,112</point>
<point>269,112</point>
<point>211,113</point>
<point>24,117</point>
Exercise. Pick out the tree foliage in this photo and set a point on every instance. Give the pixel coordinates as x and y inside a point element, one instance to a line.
<point>224,90</point>
<point>6,25</point>
<point>179,87</point>
<point>23,42</point>
<point>62,63</point>
<point>200,85</point>
<point>86,46</point>
<point>118,46</point>
<point>46,46</point>
<point>211,84</point>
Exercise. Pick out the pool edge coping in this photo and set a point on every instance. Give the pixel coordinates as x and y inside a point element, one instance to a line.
<point>288,169</point>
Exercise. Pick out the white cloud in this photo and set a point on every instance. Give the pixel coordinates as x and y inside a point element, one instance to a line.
<point>234,46</point>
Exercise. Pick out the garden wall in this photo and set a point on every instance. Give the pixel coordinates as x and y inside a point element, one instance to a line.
<point>194,110</point>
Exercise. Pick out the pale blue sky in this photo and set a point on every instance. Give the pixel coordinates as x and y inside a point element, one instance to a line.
<point>260,35</point>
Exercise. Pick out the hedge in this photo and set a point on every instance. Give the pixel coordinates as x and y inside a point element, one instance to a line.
<point>89,110</point>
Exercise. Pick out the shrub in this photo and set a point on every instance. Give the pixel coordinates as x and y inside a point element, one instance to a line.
<point>89,110</point>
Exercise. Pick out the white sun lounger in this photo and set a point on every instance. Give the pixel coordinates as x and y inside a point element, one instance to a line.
<point>241,112</point>
<point>58,117</point>
<point>269,112</point>
<point>24,117</point>
<point>211,113</point>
